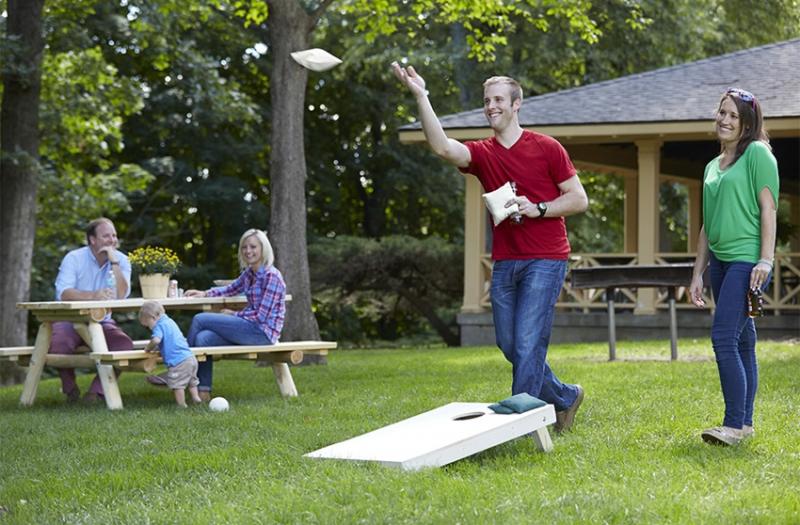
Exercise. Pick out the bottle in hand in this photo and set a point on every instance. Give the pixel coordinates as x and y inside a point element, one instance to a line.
<point>516,217</point>
<point>755,303</point>
<point>111,283</point>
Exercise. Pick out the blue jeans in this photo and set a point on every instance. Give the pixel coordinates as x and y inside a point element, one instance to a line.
<point>733,335</point>
<point>524,295</point>
<point>209,329</point>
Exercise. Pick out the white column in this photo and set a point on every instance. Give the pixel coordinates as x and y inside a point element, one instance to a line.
<point>474,240</point>
<point>630,224</point>
<point>695,214</point>
<point>649,160</point>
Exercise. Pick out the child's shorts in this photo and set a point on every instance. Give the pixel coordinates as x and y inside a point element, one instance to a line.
<point>183,374</point>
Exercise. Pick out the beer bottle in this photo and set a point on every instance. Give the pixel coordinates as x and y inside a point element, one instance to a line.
<point>755,303</point>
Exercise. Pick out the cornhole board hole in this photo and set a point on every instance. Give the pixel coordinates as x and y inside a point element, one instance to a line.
<point>443,435</point>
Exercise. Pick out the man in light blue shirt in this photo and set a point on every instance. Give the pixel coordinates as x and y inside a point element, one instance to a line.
<point>96,271</point>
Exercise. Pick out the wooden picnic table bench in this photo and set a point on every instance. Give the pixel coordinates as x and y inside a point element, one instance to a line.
<point>669,276</point>
<point>279,355</point>
<point>21,355</point>
<point>86,317</point>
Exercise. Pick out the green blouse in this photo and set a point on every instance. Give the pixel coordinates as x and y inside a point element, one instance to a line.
<point>731,213</point>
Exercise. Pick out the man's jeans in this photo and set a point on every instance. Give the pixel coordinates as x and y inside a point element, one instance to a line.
<point>733,336</point>
<point>210,329</point>
<point>524,294</point>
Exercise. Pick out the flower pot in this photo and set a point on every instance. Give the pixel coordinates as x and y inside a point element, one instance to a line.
<point>154,285</point>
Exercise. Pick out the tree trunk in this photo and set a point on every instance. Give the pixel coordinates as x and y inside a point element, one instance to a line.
<point>19,167</point>
<point>289,30</point>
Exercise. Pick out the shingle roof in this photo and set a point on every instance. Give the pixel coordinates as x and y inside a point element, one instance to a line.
<point>687,92</point>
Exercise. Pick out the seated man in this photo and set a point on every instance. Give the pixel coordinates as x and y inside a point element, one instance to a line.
<point>96,271</point>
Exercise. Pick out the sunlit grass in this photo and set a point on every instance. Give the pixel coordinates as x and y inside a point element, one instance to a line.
<point>635,455</point>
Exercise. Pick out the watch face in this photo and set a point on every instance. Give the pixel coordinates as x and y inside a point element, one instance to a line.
<point>542,207</point>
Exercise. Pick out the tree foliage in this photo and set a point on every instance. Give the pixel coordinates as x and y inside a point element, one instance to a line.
<point>405,272</point>
<point>159,113</point>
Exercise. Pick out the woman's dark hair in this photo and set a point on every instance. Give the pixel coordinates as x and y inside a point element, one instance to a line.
<point>750,119</point>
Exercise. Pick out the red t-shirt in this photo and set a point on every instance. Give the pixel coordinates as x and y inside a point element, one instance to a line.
<point>537,164</point>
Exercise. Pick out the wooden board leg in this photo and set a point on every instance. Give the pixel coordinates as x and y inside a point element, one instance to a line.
<point>83,331</point>
<point>108,378</point>
<point>673,325</point>
<point>36,365</point>
<point>612,326</point>
<point>284,378</point>
<point>542,439</point>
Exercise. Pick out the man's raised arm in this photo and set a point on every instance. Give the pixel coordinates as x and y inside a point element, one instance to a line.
<point>449,149</point>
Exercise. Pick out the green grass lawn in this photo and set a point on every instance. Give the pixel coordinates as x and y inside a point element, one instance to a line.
<point>635,455</point>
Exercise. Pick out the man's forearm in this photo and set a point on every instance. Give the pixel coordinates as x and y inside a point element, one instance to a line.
<point>566,205</point>
<point>434,133</point>
<point>121,282</point>
<point>72,294</point>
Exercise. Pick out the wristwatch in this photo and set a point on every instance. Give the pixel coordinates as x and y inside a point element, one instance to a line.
<point>542,207</point>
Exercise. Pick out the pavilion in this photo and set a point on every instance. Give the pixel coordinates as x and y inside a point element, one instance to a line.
<point>649,128</point>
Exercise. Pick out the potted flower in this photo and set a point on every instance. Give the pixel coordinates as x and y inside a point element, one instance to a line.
<point>154,265</point>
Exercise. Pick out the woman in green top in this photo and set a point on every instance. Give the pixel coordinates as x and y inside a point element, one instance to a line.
<point>737,243</point>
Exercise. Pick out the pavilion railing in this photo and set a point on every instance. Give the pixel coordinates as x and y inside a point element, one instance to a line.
<point>782,295</point>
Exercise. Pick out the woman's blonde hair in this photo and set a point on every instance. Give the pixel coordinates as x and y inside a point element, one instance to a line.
<point>267,255</point>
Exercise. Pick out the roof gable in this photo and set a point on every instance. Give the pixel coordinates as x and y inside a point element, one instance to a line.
<point>687,92</point>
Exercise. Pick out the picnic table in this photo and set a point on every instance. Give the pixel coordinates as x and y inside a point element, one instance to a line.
<point>669,276</point>
<point>86,317</point>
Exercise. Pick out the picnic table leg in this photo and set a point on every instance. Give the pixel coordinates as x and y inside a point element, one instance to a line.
<point>105,372</point>
<point>542,439</point>
<point>36,365</point>
<point>612,326</point>
<point>284,378</point>
<point>673,324</point>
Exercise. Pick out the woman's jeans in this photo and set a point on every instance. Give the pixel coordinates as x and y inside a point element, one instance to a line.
<point>524,295</point>
<point>209,329</point>
<point>733,335</point>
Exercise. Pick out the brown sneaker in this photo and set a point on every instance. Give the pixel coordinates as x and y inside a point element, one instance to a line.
<point>566,418</point>
<point>73,396</point>
<point>92,398</point>
<point>205,396</point>
<point>725,436</point>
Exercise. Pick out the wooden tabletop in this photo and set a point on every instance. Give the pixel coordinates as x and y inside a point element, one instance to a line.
<point>134,303</point>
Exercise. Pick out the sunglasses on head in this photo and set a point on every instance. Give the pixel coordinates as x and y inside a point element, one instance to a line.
<point>744,95</point>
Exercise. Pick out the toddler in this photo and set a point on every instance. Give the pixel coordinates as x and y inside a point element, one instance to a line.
<point>167,338</point>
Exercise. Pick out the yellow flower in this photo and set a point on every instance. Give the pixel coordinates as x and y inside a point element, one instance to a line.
<point>154,259</point>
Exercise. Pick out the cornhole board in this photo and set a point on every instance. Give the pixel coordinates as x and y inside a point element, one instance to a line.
<point>443,435</point>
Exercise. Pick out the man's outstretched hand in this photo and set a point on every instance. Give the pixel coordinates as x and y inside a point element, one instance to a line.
<point>410,78</point>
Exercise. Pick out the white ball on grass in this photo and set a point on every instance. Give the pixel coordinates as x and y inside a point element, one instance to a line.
<point>219,404</point>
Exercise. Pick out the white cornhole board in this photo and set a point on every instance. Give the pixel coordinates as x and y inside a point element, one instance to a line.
<point>443,435</point>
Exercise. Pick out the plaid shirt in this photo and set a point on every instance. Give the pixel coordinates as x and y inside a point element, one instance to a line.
<point>266,299</point>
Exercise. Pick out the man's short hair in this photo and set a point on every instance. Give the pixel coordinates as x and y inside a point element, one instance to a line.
<point>91,229</point>
<point>151,308</point>
<point>516,88</point>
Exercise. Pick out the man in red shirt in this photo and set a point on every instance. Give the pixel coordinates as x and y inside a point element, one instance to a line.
<point>530,257</point>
